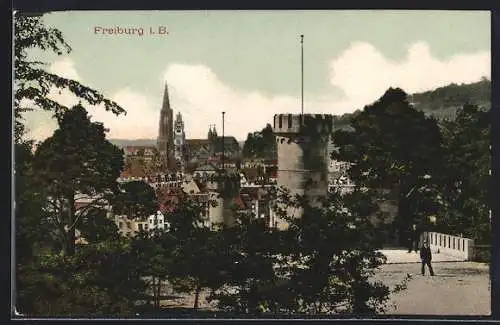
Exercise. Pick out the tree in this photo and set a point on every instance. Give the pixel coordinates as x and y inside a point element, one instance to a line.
<point>260,144</point>
<point>152,251</point>
<point>76,160</point>
<point>96,226</point>
<point>465,180</point>
<point>180,253</point>
<point>392,147</point>
<point>329,254</point>
<point>321,264</point>
<point>245,260</point>
<point>99,280</point>
<point>136,199</point>
<point>32,83</point>
<point>33,232</point>
<point>193,249</point>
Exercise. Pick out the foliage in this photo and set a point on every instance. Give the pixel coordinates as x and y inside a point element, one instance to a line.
<point>179,254</point>
<point>465,180</point>
<point>321,264</point>
<point>334,255</point>
<point>152,252</point>
<point>195,246</point>
<point>32,83</point>
<point>246,278</point>
<point>99,280</point>
<point>260,144</point>
<point>136,199</point>
<point>453,95</point>
<point>392,147</point>
<point>96,226</point>
<point>33,232</point>
<point>76,160</point>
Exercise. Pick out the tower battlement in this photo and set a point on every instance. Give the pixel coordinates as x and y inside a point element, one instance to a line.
<point>296,123</point>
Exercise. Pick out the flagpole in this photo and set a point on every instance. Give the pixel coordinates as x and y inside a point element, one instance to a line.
<point>302,73</point>
<point>223,144</point>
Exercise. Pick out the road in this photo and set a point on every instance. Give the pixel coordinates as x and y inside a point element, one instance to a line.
<point>458,288</point>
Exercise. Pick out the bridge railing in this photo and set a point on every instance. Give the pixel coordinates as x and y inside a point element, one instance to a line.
<point>455,246</point>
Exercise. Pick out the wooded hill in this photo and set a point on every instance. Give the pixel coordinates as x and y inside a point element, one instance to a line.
<point>443,102</point>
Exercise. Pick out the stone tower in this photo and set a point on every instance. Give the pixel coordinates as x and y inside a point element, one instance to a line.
<point>180,145</point>
<point>165,132</point>
<point>223,188</point>
<point>302,143</point>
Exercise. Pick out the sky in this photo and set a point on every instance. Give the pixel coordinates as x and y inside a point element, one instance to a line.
<point>248,63</point>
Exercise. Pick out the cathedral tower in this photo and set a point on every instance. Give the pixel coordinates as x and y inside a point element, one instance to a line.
<point>165,133</point>
<point>180,145</point>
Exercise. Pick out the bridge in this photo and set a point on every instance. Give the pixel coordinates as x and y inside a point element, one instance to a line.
<point>444,248</point>
<point>459,287</point>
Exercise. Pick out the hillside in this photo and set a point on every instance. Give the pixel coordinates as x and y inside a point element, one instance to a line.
<point>443,102</point>
<point>121,143</point>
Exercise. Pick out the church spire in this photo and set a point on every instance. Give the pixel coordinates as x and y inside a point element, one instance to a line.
<point>166,101</point>
<point>165,132</point>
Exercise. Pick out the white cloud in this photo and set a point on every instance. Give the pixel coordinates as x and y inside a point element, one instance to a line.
<point>364,74</point>
<point>135,124</point>
<point>139,122</point>
<point>361,72</point>
<point>65,67</point>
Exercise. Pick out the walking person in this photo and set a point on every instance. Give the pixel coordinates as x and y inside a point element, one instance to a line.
<point>426,258</point>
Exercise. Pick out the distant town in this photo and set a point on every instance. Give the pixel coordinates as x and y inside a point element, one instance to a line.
<point>181,167</point>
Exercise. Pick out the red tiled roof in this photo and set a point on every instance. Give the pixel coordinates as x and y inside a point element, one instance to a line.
<point>239,202</point>
<point>273,174</point>
<point>134,172</point>
<point>131,149</point>
<point>271,162</point>
<point>167,207</point>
